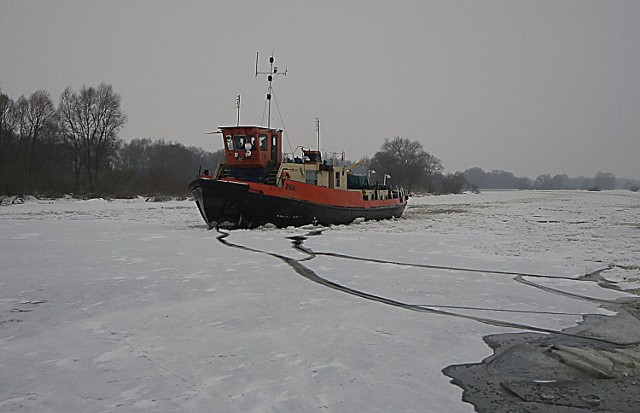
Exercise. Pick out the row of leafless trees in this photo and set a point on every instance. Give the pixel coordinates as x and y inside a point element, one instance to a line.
<point>146,167</point>
<point>499,179</point>
<point>74,148</point>
<point>36,137</point>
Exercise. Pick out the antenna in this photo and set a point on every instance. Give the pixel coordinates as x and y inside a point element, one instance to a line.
<point>271,75</point>
<point>238,109</point>
<point>318,130</point>
<point>257,64</point>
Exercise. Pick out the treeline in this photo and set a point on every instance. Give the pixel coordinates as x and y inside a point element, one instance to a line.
<point>74,148</point>
<point>498,179</point>
<point>413,168</point>
<point>146,167</point>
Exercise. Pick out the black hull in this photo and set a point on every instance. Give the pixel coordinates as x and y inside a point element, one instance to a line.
<point>232,205</point>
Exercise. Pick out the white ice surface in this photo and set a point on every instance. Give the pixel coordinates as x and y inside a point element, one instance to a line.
<point>135,306</point>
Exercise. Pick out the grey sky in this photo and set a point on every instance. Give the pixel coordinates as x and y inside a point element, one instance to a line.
<point>530,87</point>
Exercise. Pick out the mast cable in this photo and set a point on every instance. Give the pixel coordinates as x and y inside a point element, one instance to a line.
<point>286,134</point>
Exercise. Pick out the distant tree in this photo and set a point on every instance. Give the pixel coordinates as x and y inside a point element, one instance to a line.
<point>171,166</point>
<point>543,181</point>
<point>135,156</point>
<point>146,167</point>
<point>496,179</point>
<point>432,171</point>
<point>523,183</point>
<point>8,143</point>
<point>37,131</point>
<point>502,179</point>
<point>451,183</point>
<point>406,161</point>
<point>506,180</point>
<point>7,120</point>
<point>561,182</point>
<point>476,177</point>
<point>90,121</point>
<point>205,159</point>
<point>583,182</point>
<point>604,181</point>
<point>633,187</point>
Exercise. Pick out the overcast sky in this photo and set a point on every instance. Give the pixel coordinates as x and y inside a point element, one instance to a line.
<point>530,87</point>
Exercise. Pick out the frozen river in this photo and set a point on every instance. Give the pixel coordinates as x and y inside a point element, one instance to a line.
<point>130,305</point>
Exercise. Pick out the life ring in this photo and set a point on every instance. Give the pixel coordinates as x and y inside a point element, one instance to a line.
<point>285,175</point>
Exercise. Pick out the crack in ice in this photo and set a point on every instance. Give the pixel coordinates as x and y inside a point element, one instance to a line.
<point>306,272</point>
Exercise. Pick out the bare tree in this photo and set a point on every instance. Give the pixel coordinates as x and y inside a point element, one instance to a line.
<point>406,161</point>
<point>35,124</point>
<point>8,142</point>
<point>604,180</point>
<point>7,117</point>
<point>90,120</point>
<point>432,170</point>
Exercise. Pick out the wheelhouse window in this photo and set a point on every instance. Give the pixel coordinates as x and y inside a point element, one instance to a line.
<point>311,177</point>
<point>312,156</point>
<point>240,140</point>
<point>230,146</point>
<point>252,140</point>
<point>263,142</point>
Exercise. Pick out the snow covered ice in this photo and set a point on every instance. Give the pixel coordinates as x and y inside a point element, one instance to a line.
<point>129,305</point>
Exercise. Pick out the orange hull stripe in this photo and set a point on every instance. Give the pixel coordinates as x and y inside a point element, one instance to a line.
<point>318,194</point>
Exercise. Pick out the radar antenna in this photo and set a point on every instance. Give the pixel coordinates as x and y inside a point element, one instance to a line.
<point>271,75</point>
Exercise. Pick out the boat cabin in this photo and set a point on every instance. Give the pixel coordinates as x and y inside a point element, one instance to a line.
<point>251,152</point>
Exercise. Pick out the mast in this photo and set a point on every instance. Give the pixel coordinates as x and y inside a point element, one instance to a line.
<point>271,75</point>
<point>238,108</point>
<point>318,130</point>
